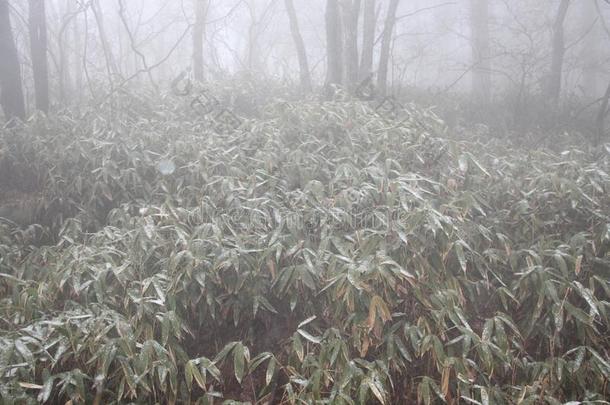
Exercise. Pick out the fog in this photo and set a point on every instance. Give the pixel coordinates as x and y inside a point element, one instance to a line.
<point>282,202</point>
<point>434,44</point>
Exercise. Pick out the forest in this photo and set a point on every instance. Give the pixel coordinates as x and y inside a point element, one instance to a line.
<point>305,202</point>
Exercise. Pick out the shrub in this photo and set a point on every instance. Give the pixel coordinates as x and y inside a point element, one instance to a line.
<point>323,252</point>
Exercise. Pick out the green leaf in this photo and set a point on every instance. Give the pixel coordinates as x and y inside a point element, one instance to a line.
<point>602,363</point>
<point>484,396</point>
<point>239,361</point>
<point>577,313</point>
<point>270,371</point>
<point>306,321</point>
<point>192,371</point>
<point>308,336</point>
<point>459,250</point>
<point>558,316</point>
<point>24,352</point>
<point>424,391</point>
<point>377,389</point>
<point>588,296</point>
<point>487,330</point>
<point>225,351</point>
<point>402,349</point>
<point>297,346</point>
<point>47,389</point>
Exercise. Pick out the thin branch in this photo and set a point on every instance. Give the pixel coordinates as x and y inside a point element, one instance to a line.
<point>583,36</point>
<point>132,43</point>
<point>421,10</point>
<point>154,66</point>
<point>601,15</point>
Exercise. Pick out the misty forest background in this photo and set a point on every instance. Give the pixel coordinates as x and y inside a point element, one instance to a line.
<point>516,65</point>
<point>305,201</point>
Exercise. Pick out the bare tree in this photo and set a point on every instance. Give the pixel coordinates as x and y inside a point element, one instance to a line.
<point>350,17</point>
<point>591,48</point>
<point>368,38</point>
<point>132,42</point>
<point>334,46</point>
<point>62,40</point>
<point>558,53</point>
<point>111,65</point>
<point>38,47</point>
<point>386,43</point>
<point>259,22</point>
<point>481,72</point>
<point>80,35</point>
<point>304,73</point>
<point>69,39</point>
<point>10,72</point>
<point>602,114</point>
<point>201,8</point>
<point>605,100</point>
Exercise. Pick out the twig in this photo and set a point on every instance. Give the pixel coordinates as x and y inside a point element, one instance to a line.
<point>151,67</point>
<point>132,43</point>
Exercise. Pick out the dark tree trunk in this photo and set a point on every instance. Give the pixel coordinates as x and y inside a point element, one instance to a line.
<point>10,72</point>
<point>334,47</point>
<point>368,39</point>
<point>63,38</point>
<point>351,14</point>
<point>201,7</point>
<point>38,47</point>
<point>304,73</point>
<point>481,78</point>
<point>602,114</point>
<point>386,42</point>
<point>558,52</point>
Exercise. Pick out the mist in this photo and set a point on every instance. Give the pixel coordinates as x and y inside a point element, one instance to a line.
<point>441,49</point>
<point>304,202</point>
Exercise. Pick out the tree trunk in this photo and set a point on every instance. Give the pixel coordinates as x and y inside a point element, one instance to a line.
<point>368,39</point>
<point>558,52</point>
<point>111,66</point>
<point>253,52</point>
<point>201,8</point>
<point>10,72</point>
<point>386,42</point>
<point>63,38</point>
<point>602,114</point>
<point>38,48</point>
<point>591,50</point>
<point>78,33</point>
<point>255,60</point>
<point>481,74</point>
<point>334,46</point>
<point>351,14</point>
<point>304,73</point>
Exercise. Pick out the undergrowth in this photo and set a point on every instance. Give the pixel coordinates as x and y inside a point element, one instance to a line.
<point>322,253</point>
